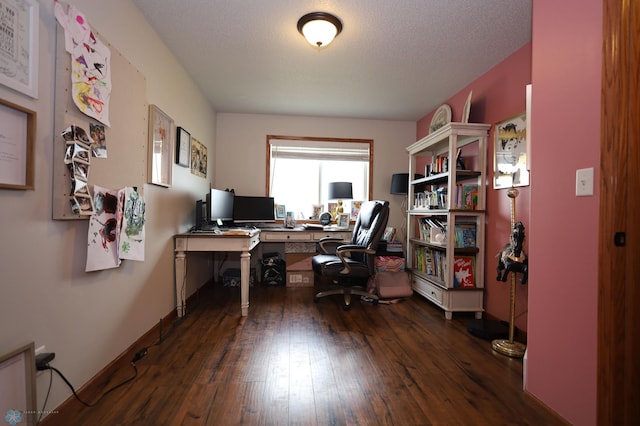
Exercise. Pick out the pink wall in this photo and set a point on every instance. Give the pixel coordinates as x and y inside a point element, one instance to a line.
<point>497,95</point>
<point>563,303</point>
<point>558,307</point>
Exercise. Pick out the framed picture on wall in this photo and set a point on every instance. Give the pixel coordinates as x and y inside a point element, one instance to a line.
<point>198,158</point>
<point>19,61</point>
<point>161,131</point>
<point>510,162</point>
<point>17,139</point>
<point>183,147</point>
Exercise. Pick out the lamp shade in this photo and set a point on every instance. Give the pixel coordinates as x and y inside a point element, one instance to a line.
<point>400,183</point>
<point>340,191</point>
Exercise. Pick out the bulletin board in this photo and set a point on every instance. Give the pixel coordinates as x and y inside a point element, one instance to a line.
<point>126,139</point>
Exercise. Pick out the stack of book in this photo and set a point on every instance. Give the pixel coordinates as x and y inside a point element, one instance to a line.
<point>394,246</point>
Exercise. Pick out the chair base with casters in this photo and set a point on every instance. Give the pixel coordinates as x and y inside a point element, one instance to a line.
<point>350,264</point>
<point>347,291</point>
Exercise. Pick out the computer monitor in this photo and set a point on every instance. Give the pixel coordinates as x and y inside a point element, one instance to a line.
<point>219,207</point>
<point>253,209</point>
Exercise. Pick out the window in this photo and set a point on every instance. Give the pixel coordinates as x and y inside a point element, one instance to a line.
<point>299,170</point>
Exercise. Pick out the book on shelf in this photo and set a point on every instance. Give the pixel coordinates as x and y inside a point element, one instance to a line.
<point>466,196</point>
<point>464,272</point>
<point>389,233</point>
<point>394,246</point>
<point>465,235</point>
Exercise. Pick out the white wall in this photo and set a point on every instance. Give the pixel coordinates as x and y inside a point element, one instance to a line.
<point>88,319</point>
<point>241,149</point>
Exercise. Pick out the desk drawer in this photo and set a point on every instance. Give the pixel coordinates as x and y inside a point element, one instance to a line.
<point>346,236</point>
<point>285,236</point>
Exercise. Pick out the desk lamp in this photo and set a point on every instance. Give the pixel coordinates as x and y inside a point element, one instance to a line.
<point>340,191</point>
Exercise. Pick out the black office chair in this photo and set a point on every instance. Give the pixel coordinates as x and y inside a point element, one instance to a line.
<point>350,264</point>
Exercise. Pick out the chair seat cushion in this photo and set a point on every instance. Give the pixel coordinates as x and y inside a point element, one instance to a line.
<point>329,264</point>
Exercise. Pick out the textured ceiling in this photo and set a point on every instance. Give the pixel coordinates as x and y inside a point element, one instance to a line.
<point>393,60</point>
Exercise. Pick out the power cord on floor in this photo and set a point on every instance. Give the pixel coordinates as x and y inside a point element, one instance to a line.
<point>86,404</point>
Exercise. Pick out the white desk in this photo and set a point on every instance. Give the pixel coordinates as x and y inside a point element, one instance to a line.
<point>243,242</point>
<point>210,242</point>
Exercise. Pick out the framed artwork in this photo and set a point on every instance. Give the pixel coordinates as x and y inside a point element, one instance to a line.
<point>183,147</point>
<point>198,158</point>
<point>18,385</point>
<point>317,211</point>
<point>161,131</point>
<point>343,220</point>
<point>17,139</point>
<point>355,209</point>
<point>510,163</point>
<point>281,211</point>
<point>19,45</point>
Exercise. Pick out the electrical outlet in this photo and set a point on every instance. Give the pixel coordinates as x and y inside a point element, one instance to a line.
<point>40,349</point>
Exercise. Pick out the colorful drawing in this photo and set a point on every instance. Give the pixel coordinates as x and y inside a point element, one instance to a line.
<point>132,235</point>
<point>90,64</point>
<point>102,244</point>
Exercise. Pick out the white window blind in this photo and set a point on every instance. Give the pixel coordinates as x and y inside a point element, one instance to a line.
<point>300,172</point>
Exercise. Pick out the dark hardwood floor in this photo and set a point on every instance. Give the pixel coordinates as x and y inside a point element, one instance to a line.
<point>294,362</point>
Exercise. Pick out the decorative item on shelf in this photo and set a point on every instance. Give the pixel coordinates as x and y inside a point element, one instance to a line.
<point>281,211</point>
<point>319,28</point>
<point>317,210</point>
<point>290,221</point>
<point>440,118</point>
<point>467,109</point>
<point>340,191</point>
<point>459,160</point>
<point>343,221</point>
<point>512,259</point>
<point>325,218</point>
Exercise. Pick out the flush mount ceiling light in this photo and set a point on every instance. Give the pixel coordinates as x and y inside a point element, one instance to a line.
<point>319,28</point>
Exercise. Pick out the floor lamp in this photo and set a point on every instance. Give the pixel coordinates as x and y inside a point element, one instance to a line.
<point>400,186</point>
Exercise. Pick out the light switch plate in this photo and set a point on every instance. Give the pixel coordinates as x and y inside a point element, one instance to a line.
<point>584,182</point>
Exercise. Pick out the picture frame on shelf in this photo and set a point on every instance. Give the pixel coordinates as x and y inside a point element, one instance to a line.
<point>18,126</point>
<point>198,158</point>
<point>183,147</point>
<point>20,70</point>
<point>161,131</point>
<point>343,221</point>
<point>281,211</point>
<point>510,148</point>
<point>355,209</point>
<point>317,211</point>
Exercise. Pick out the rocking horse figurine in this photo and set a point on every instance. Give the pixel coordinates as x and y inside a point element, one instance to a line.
<point>512,258</point>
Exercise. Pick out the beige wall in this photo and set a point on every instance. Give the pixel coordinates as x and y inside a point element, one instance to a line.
<point>241,149</point>
<point>88,319</point>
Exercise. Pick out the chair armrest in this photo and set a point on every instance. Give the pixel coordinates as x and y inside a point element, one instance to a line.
<point>346,250</point>
<point>327,242</point>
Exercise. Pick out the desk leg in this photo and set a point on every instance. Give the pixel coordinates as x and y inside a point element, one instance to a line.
<point>245,274</point>
<point>180,281</point>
